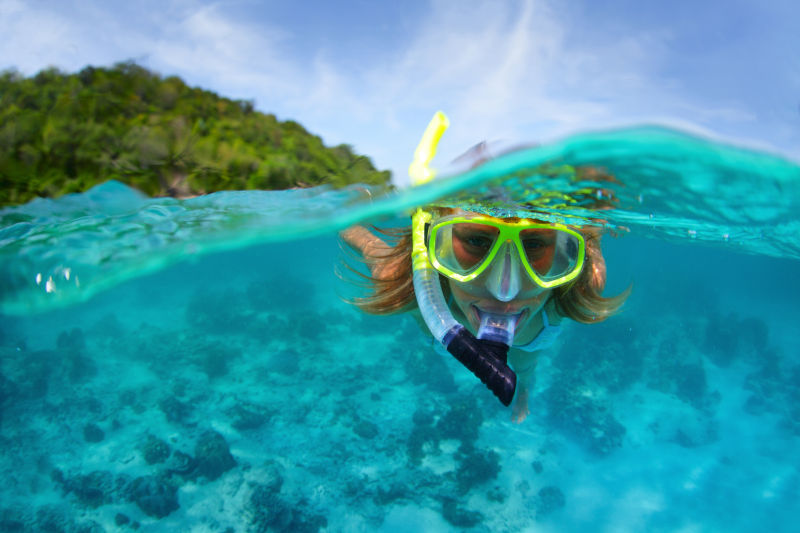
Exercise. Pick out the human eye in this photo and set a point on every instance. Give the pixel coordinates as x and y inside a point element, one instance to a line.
<point>537,244</point>
<point>479,241</point>
<point>533,243</point>
<point>474,238</point>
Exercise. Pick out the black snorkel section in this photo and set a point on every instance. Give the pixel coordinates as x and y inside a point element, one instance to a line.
<point>485,356</point>
<point>486,359</point>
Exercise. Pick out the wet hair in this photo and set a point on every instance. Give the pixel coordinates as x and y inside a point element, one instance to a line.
<point>392,290</point>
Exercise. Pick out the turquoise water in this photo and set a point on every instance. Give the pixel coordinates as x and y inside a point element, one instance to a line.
<point>190,365</point>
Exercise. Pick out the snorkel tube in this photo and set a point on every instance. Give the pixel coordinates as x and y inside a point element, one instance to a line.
<point>485,356</point>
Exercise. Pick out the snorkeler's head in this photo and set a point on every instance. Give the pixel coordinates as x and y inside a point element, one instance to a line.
<point>466,247</point>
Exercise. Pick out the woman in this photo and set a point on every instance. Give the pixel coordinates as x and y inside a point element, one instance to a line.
<point>507,281</point>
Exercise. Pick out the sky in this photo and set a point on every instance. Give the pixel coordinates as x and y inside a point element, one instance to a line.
<point>372,73</point>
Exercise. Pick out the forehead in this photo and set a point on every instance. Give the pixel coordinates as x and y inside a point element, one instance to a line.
<point>510,220</point>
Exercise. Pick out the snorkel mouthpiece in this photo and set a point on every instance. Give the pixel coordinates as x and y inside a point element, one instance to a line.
<point>497,327</point>
<point>486,356</point>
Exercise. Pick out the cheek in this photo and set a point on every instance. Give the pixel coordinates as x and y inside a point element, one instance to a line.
<point>462,298</point>
<point>538,300</point>
<point>465,291</point>
<point>458,294</point>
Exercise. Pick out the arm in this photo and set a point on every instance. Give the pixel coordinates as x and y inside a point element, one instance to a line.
<point>524,365</point>
<point>362,239</point>
<point>375,251</point>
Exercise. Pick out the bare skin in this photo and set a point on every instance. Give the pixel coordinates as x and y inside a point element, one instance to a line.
<point>372,247</point>
<point>468,296</point>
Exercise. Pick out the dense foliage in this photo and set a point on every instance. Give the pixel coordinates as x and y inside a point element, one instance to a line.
<point>63,133</point>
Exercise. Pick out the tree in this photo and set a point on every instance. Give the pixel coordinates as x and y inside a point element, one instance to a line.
<point>64,133</point>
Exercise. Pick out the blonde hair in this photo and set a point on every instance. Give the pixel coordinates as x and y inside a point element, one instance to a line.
<point>393,290</point>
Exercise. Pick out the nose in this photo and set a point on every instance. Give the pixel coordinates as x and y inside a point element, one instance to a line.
<point>503,281</point>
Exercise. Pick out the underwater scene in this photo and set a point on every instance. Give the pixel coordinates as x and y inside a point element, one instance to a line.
<point>193,365</point>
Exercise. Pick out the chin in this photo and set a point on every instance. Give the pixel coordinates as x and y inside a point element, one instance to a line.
<point>523,334</point>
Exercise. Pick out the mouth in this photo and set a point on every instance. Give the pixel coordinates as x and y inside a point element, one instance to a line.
<point>519,316</point>
<point>497,327</point>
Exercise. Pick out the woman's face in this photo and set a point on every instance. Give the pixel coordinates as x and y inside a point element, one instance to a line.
<point>469,247</point>
<point>474,295</point>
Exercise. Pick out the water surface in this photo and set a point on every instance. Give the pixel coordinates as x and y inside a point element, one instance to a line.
<point>190,365</point>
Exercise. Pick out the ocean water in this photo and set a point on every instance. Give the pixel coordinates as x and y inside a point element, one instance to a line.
<point>190,365</point>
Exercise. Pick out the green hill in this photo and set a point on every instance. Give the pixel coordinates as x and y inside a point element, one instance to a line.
<point>62,133</point>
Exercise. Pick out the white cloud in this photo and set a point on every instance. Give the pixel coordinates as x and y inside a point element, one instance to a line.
<point>524,70</point>
<point>34,38</point>
<point>224,53</point>
<point>10,8</point>
<point>499,70</point>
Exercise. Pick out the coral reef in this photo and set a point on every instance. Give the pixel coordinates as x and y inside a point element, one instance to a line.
<point>476,468</point>
<point>426,367</point>
<point>607,361</point>
<point>729,337</point>
<point>55,519</point>
<point>156,497</point>
<point>213,456</point>
<point>548,500</point>
<point>121,519</point>
<point>93,433</point>
<point>462,421</point>
<point>246,416</point>
<point>175,410</point>
<point>155,450</point>
<point>224,411</point>
<point>269,511</point>
<point>182,465</point>
<point>458,516</point>
<point>678,369</point>
<point>365,429</point>
<point>574,409</point>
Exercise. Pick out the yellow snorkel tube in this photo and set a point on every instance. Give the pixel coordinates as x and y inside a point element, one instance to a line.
<point>485,356</point>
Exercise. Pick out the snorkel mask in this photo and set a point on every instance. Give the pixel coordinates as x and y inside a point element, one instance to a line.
<point>464,246</point>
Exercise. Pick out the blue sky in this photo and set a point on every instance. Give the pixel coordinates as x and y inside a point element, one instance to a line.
<point>372,73</point>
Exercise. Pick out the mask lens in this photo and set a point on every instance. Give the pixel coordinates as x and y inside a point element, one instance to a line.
<point>462,247</point>
<point>551,253</point>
